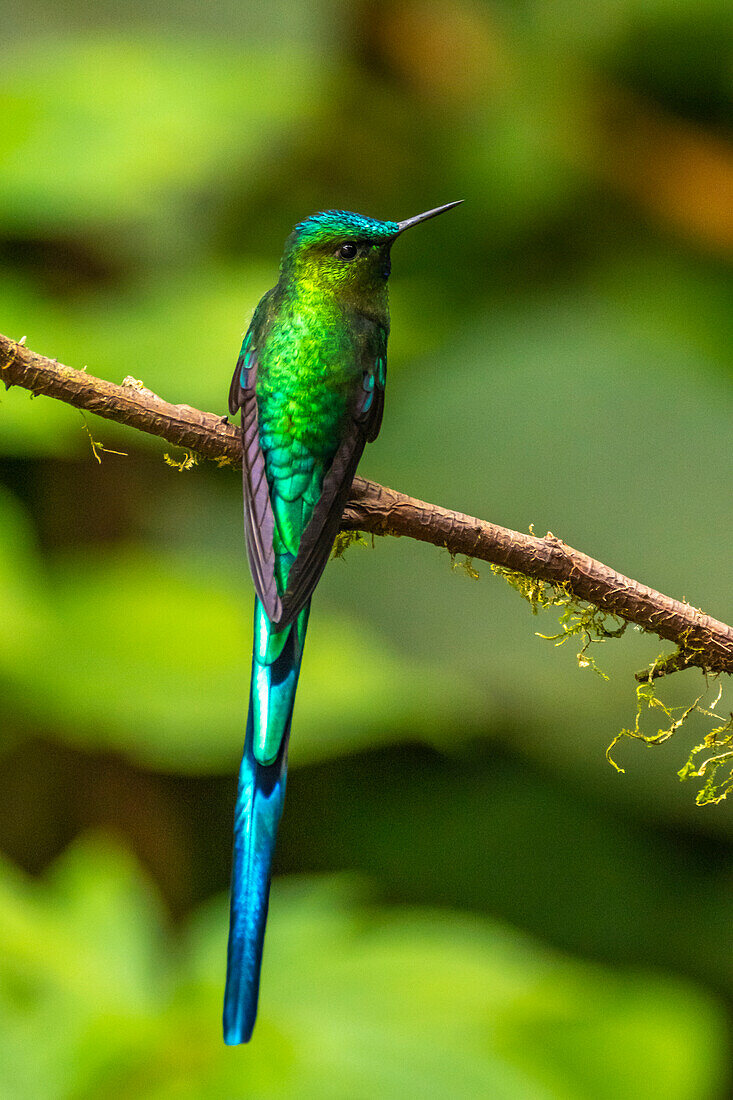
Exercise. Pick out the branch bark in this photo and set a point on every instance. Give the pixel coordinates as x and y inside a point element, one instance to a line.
<point>703,641</point>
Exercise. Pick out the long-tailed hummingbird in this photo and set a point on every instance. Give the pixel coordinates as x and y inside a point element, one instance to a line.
<point>310,382</point>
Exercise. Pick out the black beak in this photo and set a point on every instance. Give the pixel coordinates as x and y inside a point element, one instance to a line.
<point>409,222</point>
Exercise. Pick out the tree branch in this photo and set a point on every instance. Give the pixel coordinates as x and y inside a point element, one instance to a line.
<point>703,641</point>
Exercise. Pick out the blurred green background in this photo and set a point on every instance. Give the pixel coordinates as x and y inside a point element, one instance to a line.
<point>469,901</point>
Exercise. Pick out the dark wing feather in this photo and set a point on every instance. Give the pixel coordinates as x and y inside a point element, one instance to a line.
<point>259,522</point>
<point>370,412</point>
<point>315,545</point>
<point>317,540</point>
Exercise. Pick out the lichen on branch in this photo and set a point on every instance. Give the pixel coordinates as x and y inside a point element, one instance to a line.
<point>594,626</point>
<point>716,770</point>
<point>578,618</point>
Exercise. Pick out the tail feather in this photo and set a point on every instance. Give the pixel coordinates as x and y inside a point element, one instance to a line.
<point>259,806</point>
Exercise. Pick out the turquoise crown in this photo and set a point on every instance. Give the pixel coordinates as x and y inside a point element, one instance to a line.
<point>344,223</point>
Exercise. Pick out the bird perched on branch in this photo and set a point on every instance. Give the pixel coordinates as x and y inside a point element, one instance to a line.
<point>310,383</point>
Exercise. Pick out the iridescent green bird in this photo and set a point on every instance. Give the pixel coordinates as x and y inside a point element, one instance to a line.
<point>310,383</point>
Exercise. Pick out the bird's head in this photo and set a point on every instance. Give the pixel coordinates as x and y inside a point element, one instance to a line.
<point>347,255</point>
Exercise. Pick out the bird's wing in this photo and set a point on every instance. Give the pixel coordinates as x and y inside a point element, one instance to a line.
<point>314,545</point>
<point>259,522</point>
<point>318,536</point>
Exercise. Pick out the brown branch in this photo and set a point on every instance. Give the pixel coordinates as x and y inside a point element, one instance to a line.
<point>704,641</point>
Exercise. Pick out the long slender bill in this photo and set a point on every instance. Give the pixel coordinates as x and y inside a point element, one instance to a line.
<point>409,222</point>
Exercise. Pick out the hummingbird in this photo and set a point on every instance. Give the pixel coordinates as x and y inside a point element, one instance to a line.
<point>310,382</point>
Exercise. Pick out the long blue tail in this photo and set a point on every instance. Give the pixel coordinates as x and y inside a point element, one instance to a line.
<point>275,669</point>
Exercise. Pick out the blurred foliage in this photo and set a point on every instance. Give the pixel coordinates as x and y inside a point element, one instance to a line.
<point>563,341</point>
<point>358,1001</point>
<point>203,99</point>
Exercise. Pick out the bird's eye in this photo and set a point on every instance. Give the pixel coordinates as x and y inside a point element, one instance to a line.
<point>347,251</point>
